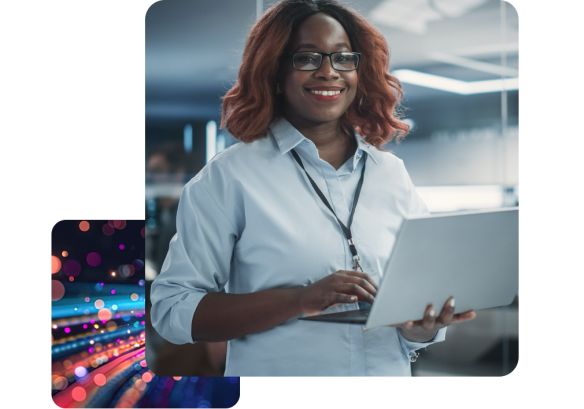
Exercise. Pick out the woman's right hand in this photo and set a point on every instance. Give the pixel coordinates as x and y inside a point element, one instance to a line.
<point>343,286</point>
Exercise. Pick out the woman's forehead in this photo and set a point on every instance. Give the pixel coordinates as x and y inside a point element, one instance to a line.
<point>320,31</point>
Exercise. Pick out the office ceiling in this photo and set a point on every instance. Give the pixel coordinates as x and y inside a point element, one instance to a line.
<point>194,47</point>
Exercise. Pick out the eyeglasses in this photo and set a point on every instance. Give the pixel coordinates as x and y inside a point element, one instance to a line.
<point>311,61</point>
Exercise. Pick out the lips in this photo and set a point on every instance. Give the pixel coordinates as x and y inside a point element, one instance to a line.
<point>325,88</point>
<point>325,97</point>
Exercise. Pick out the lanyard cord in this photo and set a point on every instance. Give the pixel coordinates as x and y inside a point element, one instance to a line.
<point>346,230</point>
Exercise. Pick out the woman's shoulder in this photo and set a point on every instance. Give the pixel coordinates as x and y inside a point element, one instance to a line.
<point>385,158</point>
<point>238,161</point>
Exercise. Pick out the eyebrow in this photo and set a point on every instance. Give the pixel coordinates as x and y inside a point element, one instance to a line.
<point>308,45</point>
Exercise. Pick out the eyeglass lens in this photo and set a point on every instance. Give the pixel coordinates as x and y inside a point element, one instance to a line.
<point>311,61</point>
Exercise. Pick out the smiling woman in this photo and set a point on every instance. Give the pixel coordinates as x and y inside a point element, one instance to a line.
<point>301,218</point>
<point>275,81</point>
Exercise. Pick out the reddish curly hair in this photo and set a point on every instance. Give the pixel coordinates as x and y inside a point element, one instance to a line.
<point>252,103</point>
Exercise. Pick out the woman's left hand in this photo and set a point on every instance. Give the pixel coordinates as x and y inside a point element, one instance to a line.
<point>425,329</point>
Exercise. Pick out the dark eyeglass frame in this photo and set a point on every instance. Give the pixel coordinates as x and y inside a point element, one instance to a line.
<point>329,55</point>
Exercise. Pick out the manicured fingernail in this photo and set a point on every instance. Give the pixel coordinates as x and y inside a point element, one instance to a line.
<point>353,298</point>
<point>432,313</point>
<point>452,302</point>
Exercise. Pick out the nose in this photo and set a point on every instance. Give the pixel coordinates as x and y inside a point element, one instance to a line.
<point>326,68</point>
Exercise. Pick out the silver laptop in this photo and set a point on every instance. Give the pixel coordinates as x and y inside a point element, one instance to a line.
<point>472,256</point>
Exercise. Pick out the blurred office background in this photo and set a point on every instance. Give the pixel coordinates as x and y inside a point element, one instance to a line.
<point>458,63</point>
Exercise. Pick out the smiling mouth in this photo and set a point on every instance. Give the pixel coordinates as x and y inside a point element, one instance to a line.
<point>325,93</point>
<point>342,90</point>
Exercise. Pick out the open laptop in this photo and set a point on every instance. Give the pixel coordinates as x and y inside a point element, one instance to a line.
<point>472,256</point>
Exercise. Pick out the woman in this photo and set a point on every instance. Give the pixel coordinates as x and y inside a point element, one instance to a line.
<point>253,221</point>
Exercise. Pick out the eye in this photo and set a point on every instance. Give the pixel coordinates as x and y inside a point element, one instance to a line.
<point>304,58</point>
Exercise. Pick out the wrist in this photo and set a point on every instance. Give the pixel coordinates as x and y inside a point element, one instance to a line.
<point>418,336</point>
<point>297,300</point>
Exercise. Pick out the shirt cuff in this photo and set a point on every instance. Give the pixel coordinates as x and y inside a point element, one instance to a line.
<point>176,325</point>
<point>409,347</point>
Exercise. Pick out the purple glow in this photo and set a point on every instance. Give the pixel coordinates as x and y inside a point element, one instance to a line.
<point>72,268</point>
<point>93,259</point>
<point>143,323</point>
<point>84,326</point>
<point>113,291</point>
<point>138,264</point>
<point>121,247</point>
<point>92,321</point>
<point>117,315</point>
<point>90,350</point>
<point>67,330</point>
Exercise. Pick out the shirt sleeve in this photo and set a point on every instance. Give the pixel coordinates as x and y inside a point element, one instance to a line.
<point>198,262</point>
<point>409,347</point>
<point>417,205</point>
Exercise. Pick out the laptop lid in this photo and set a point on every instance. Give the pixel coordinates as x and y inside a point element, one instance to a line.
<point>472,256</point>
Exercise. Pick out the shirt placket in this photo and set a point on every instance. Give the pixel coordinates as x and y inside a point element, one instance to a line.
<point>341,206</point>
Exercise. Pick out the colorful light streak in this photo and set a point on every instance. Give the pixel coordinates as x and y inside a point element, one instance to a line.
<point>105,366</point>
<point>110,370</point>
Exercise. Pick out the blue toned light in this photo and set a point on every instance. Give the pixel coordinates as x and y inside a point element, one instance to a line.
<point>204,404</point>
<point>211,140</point>
<point>220,142</point>
<point>151,203</point>
<point>423,79</point>
<point>188,138</point>
<point>410,123</point>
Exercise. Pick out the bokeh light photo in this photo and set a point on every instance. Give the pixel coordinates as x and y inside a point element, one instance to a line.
<point>98,325</point>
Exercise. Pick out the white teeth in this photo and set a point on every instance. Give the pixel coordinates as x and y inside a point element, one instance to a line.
<point>326,93</point>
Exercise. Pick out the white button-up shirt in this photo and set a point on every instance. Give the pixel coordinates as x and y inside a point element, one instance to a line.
<point>250,221</point>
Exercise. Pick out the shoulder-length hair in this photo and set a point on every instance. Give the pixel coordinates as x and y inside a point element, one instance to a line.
<point>252,103</point>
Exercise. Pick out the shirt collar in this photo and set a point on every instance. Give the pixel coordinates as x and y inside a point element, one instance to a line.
<point>287,137</point>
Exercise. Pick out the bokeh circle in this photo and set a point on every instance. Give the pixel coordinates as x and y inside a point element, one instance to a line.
<point>72,268</point>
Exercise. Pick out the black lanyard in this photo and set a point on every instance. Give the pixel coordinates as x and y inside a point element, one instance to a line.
<point>346,230</point>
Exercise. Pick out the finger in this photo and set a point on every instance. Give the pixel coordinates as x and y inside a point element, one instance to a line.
<point>344,298</point>
<point>463,316</point>
<point>447,312</point>
<point>363,283</point>
<point>355,289</point>
<point>404,325</point>
<point>429,318</point>
<point>361,275</point>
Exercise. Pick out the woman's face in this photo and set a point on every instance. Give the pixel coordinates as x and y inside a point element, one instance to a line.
<point>319,33</point>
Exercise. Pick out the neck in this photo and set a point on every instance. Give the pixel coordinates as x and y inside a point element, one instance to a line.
<point>328,138</point>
